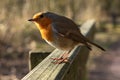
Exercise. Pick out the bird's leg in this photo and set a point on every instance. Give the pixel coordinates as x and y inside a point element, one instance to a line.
<point>63,59</point>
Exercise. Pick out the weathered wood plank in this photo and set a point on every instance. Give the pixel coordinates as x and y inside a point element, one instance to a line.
<point>75,70</point>
<point>36,57</point>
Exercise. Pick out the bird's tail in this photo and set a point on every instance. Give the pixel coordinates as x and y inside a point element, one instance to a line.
<point>89,42</point>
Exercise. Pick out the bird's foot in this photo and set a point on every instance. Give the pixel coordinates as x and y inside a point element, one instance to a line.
<point>63,59</point>
<point>60,60</point>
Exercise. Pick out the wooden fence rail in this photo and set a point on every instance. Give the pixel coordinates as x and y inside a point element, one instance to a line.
<point>75,70</point>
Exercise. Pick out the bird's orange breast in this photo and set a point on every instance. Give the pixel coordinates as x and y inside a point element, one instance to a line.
<point>47,33</point>
<point>45,29</point>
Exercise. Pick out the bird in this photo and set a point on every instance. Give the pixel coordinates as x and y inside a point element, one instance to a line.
<point>61,32</point>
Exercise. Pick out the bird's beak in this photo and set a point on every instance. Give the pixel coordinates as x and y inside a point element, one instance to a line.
<point>31,20</point>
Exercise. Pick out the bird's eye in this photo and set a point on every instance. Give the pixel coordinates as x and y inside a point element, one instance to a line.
<point>41,16</point>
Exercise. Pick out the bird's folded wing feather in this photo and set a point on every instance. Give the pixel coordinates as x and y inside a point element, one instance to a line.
<point>69,31</point>
<point>72,32</point>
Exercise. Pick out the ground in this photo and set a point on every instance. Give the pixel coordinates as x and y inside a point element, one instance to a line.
<point>107,66</point>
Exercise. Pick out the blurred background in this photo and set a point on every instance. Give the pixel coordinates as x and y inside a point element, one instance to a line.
<point>18,36</point>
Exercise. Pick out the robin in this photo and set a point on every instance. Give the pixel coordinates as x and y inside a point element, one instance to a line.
<point>60,32</point>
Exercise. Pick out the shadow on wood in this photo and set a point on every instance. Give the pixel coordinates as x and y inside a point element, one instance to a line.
<point>36,57</point>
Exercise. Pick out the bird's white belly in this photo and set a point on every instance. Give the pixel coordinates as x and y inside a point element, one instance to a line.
<point>62,43</point>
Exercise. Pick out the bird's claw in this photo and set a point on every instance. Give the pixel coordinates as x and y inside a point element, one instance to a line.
<point>60,60</point>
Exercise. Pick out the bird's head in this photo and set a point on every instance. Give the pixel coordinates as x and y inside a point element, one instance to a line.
<point>41,20</point>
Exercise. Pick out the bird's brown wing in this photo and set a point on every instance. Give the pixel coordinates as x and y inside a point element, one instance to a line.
<point>66,30</point>
<point>73,33</point>
<point>70,32</point>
